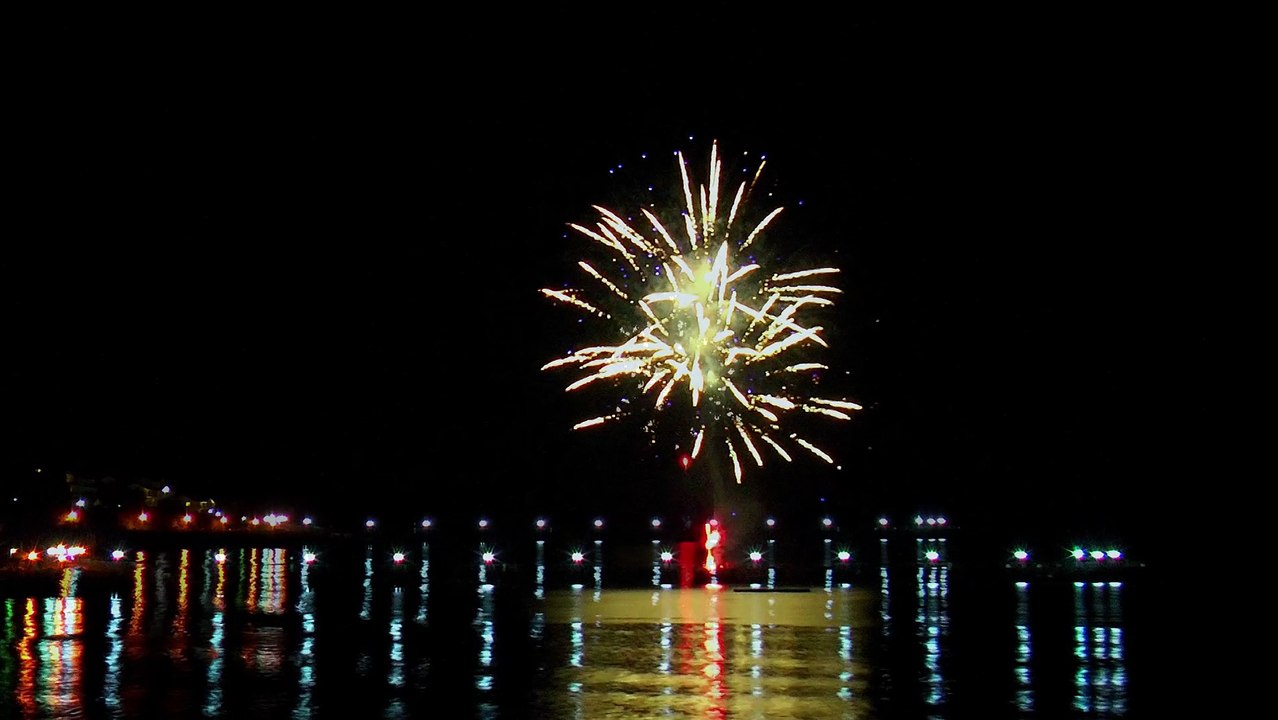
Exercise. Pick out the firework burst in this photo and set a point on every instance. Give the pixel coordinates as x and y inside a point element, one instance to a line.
<point>691,325</point>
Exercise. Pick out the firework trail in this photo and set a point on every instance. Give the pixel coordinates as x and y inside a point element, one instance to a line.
<point>689,326</point>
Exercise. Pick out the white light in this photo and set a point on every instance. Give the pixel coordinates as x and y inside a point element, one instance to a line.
<point>489,556</point>
<point>427,524</point>
<point>666,556</point>
<point>1077,553</point>
<point>770,522</point>
<point>844,556</point>
<point>166,490</point>
<point>656,522</point>
<point>541,524</point>
<point>932,555</point>
<point>220,557</point>
<point>1022,584</point>
<point>883,522</point>
<point>918,520</point>
<point>398,557</point>
<point>1097,555</point>
<point>117,555</point>
<point>79,503</point>
<point>940,521</point>
<point>307,521</point>
<point>931,521</point>
<point>827,522</point>
<point>483,524</point>
<point>1114,554</point>
<point>308,557</point>
<point>1021,555</point>
<point>578,556</point>
<point>370,524</point>
<point>756,556</point>
<point>598,523</point>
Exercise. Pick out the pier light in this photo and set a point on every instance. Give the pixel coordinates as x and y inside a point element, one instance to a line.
<point>33,555</point>
<point>73,516</point>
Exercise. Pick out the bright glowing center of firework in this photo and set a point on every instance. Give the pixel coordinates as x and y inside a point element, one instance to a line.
<point>695,312</point>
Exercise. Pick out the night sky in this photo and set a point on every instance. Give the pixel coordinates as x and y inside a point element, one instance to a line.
<point>304,257</point>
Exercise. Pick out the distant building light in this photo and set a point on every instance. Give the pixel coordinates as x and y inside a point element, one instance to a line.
<point>370,524</point>
<point>117,555</point>
<point>656,522</point>
<point>755,556</point>
<point>578,556</point>
<point>844,556</point>
<point>166,490</point>
<point>483,524</point>
<point>666,556</point>
<point>427,523</point>
<point>1098,555</point>
<point>488,557</point>
<point>307,521</point>
<point>1021,555</point>
<point>931,521</point>
<point>770,522</point>
<point>827,522</point>
<point>308,557</point>
<point>932,556</point>
<point>1077,553</point>
<point>883,522</point>
<point>541,523</point>
<point>1114,555</point>
<point>398,557</point>
<point>598,523</point>
<point>186,518</point>
<point>940,521</point>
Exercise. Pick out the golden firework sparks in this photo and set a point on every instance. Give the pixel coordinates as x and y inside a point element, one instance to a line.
<point>694,325</point>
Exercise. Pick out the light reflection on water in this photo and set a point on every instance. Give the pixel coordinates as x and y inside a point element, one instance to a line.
<point>254,635</point>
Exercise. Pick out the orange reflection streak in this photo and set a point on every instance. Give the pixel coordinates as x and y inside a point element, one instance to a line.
<point>219,597</point>
<point>716,688</point>
<point>139,597</point>
<point>26,662</point>
<point>178,635</point>
<point>251,603</point>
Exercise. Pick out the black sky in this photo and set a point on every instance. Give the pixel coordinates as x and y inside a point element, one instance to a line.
<point>247,257</point>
